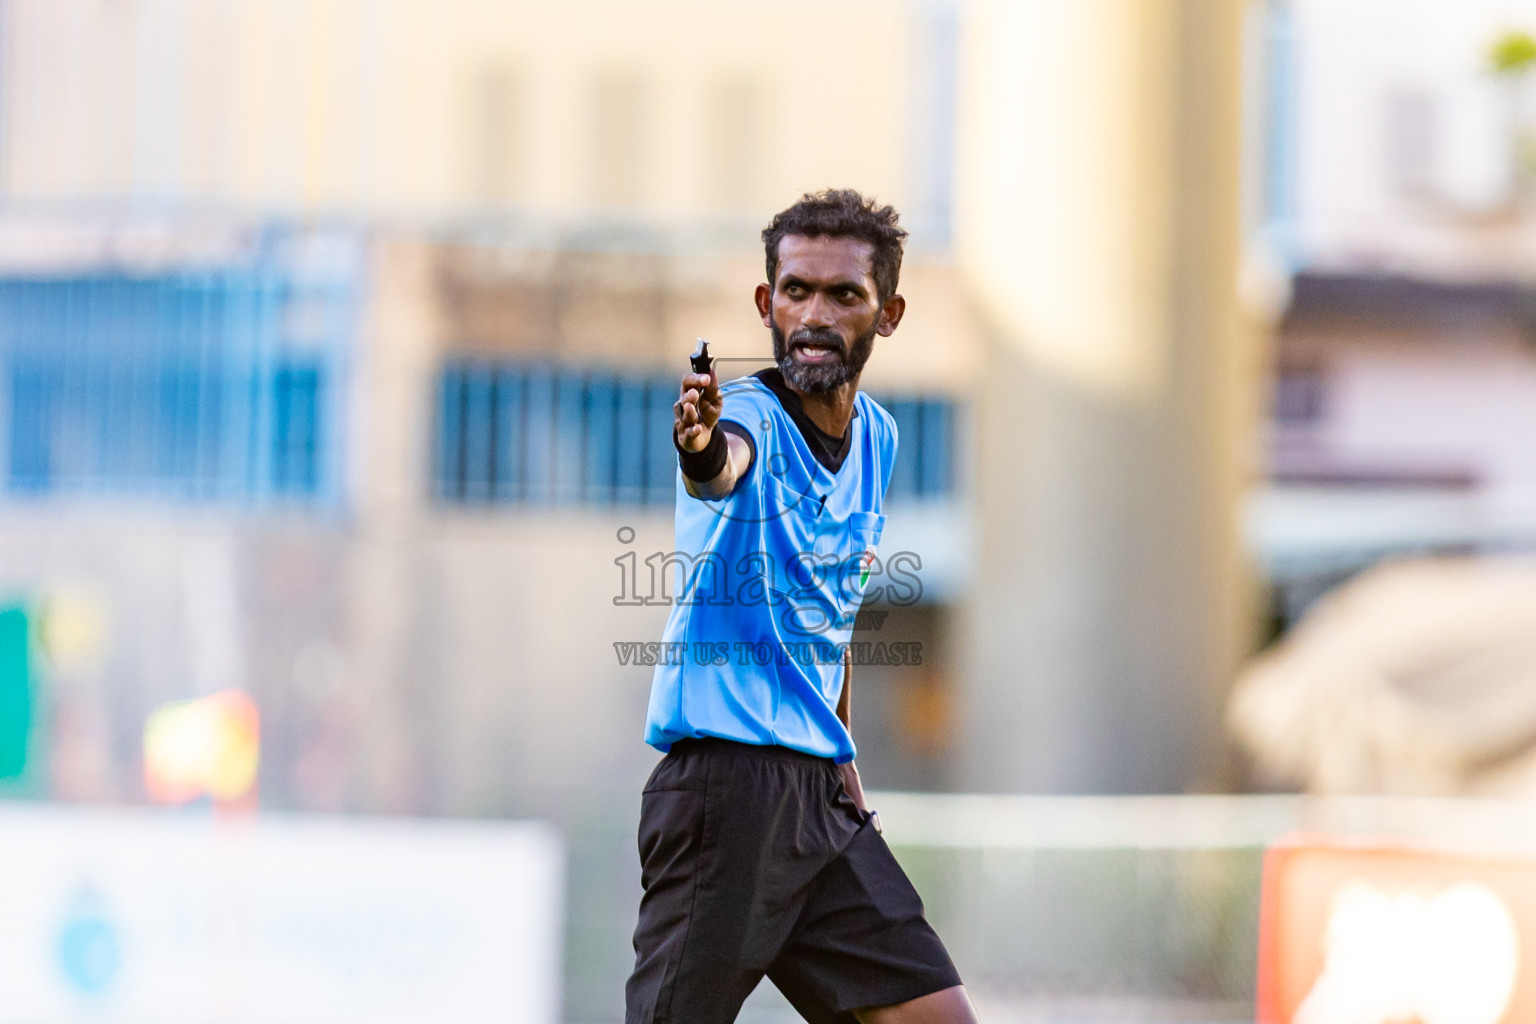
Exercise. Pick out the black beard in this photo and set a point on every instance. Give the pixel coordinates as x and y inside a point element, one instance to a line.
<point>820,378</point>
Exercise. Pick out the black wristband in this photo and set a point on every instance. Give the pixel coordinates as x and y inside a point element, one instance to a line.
<point>704,465</point>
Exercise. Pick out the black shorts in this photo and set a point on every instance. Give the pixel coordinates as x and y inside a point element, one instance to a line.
<point>756,862</point>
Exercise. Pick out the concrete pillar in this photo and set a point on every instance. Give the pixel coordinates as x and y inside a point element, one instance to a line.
<point>1098,228</point>
<point>388,697</point>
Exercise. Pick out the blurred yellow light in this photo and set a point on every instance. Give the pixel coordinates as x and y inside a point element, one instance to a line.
<point>72,629</point>
<point>206,746</point>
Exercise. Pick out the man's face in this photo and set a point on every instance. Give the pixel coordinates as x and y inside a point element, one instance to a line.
<point>824,311</point>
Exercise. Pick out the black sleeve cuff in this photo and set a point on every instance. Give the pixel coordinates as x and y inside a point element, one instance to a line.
<point>704,465</point>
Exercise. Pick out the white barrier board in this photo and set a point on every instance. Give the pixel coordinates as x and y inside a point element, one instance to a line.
<point>126,916</point>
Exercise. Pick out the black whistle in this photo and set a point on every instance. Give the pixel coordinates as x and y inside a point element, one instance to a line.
<point>700,360</point>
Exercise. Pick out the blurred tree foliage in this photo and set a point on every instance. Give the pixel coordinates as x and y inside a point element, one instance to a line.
<point>1512,56</point>
<point>1513,53</point>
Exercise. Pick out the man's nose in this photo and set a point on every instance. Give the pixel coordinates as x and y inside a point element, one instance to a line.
<point>817,313</point>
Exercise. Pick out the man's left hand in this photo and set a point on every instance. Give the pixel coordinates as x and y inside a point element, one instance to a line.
<point>854,787</point>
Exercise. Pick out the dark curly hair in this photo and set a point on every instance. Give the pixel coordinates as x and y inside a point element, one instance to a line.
<point>842,212</point>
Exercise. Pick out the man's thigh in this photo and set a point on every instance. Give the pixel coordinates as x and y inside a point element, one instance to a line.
<point>725,867</point>
<point>862,939</point>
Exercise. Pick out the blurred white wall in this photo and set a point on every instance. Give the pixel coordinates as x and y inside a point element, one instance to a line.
<point>1406,144</point>
<point>400,108</point>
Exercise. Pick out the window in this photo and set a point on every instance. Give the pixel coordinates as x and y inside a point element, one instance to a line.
<point>618,139</point>
<point>536,434</point>
<point>184,385</point>
<point>734,128</point>
<point>1412,135</point>
<point>497,126</point>
<point>1278,65</point>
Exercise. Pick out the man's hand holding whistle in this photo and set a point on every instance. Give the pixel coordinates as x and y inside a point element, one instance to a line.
<point>712,460</point>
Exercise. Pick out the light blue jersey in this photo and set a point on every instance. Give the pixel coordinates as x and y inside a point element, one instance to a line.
<point>772,577</point>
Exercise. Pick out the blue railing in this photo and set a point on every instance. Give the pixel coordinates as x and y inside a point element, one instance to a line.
<point>208,385</point>
<point>546,435</point>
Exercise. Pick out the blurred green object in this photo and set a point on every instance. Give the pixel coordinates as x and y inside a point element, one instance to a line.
<point>15,693</point>
<point>1513,53</point>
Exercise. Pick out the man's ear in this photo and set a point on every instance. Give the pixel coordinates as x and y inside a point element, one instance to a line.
<point>764,299</point>
<point>891,312</point>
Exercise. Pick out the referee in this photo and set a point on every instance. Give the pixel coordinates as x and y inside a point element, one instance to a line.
<point>758,855</point>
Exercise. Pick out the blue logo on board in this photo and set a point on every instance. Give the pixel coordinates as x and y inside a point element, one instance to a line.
<point>89,948</point>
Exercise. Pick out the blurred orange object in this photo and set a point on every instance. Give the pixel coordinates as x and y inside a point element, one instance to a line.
<point>208,746</point>
<point>1354,934</point>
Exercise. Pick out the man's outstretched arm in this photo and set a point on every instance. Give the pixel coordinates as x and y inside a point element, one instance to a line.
<point>713,460</point>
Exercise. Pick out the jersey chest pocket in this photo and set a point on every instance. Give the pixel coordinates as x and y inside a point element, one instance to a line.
<point>864,529</point>
<point>857,558</point>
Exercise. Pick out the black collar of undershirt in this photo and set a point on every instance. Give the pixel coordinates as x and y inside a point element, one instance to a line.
<point>829,451</point>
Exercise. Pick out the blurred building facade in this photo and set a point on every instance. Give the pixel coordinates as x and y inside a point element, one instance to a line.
<point>1399,197</point>
<point>398,274</point>
<point>665,111</point>
<point>1397,515</point>
<point>340,340</point>
<point>401,275</point>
